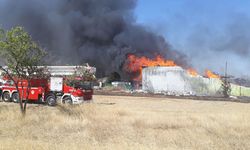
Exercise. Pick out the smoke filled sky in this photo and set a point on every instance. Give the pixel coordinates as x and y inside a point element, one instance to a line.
<point>101,33</point>
<point>199,33</point>
<point>209,32</point>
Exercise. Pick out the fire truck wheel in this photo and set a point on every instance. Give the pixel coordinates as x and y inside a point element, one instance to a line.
<point>67,100</point>
<point>51,100</point>
<point>15,97</point>
<point>6,97</point>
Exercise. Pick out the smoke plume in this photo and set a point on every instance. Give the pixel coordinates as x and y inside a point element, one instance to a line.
<point>216,47</point>
<point>100,32</point>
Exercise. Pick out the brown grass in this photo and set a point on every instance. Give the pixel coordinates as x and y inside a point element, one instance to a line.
<point>127,123</point>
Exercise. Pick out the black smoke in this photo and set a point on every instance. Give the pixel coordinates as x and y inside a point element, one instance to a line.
<point>100,32</point>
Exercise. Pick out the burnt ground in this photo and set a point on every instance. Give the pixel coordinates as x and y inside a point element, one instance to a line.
<point>200,98</point>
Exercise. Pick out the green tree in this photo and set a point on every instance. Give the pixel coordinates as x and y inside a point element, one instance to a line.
<point>226,87</point>
<point>22,56</point>
<point>86,72</point>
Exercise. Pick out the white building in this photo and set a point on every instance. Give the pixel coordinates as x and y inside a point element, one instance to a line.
<point>176,81</point>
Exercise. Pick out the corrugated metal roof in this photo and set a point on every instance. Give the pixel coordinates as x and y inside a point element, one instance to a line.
<point>66,70</point>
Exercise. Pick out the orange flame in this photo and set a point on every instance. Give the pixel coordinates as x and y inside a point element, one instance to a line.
<point>135,64</point>
<point>210,74</point>
<point>192,72</point>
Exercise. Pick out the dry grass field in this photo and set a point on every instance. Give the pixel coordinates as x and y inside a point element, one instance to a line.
<point>127,123</point>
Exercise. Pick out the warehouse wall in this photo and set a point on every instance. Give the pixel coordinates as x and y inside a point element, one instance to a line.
<point>171,80</point>
<point>176,81</point>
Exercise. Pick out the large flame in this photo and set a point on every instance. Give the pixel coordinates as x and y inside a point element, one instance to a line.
<point>135,64</point>
<point>210,74</point>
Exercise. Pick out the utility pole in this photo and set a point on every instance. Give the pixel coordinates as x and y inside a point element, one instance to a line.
<point>226,86</point>
<point>226,70</point>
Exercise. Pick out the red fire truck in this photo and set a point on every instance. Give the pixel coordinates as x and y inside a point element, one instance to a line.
<point>49,90</point>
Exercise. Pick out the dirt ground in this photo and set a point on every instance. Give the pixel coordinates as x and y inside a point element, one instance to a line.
<point>119,92</point>
<point>124,122</point>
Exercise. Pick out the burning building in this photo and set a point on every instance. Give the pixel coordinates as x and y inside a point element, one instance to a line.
<point>158,75</point>
<point>177,81</point>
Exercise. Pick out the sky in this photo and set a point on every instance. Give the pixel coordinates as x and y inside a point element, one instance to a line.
<point>209,32</point>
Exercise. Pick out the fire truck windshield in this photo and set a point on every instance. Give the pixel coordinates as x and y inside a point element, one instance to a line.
<point>9,82</point>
